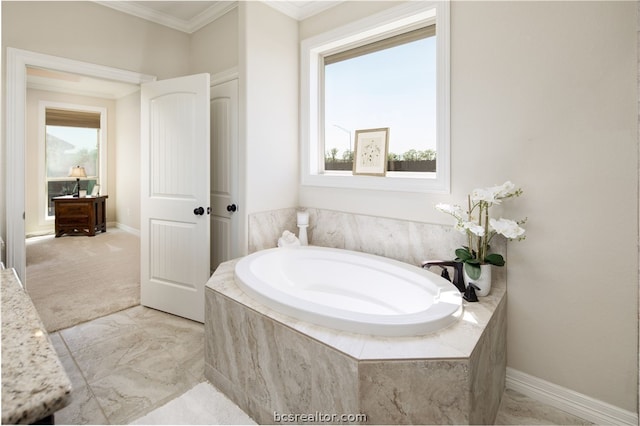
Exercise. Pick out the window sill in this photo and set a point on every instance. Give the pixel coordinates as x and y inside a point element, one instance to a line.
<point>403,182</point>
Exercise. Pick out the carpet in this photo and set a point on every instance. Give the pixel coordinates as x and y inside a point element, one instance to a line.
<point>74,279</point>
<point>202,405</point>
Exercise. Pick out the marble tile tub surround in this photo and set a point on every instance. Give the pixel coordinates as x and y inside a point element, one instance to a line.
<point>407,241</point>
<point>265,361</point>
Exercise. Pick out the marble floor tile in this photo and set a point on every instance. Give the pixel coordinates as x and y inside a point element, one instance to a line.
<point>59,345</point>
<point>84,409</point>
<point>136,389</point>
<point>89,333</point>
<point>145,317</point>
<point>127,364</point>
<point>193,363</point>
<point>103,358</point>
<point>73,372</point>
<point>177,337</point>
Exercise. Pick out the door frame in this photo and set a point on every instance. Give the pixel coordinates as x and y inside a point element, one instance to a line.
<point>15,135</point>
<point>240,218</point>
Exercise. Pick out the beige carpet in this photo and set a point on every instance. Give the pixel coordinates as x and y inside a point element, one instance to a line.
<point>74,279</point>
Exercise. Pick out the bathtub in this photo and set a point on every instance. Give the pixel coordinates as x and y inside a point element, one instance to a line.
<point>350,291</point>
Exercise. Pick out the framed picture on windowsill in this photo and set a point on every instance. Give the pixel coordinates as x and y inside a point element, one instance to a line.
<point>96,190</point>
<point>371,148</point>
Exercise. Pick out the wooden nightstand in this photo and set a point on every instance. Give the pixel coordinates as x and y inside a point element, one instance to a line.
<point>80,215</point>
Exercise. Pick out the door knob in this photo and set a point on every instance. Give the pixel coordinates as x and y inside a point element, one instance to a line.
<point>232,208</point>
<point>198,211</point>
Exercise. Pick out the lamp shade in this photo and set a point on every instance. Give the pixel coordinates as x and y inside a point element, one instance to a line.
<point>77,172</point>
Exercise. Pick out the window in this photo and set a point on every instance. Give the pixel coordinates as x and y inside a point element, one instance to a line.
<point>72,138</point>
<point>386,71</point>
<point>390,83</point>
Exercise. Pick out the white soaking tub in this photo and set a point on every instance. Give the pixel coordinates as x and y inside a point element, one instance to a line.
<point>350,291</point>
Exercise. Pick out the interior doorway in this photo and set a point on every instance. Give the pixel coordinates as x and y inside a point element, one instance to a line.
<point>224,196</point>
<point>17,63</point>
<point>72,120</point>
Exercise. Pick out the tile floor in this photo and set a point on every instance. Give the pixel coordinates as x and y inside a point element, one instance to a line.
<point>125,365</point>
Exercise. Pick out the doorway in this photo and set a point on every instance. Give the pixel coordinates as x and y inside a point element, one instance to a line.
<point>17,63</point>
<point>224,196</point>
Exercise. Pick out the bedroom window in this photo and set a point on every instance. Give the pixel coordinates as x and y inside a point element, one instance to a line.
<point>386,71</point>
<point>72,138</point>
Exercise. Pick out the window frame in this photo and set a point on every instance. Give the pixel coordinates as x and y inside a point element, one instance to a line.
<point>102,152</point>
<point>380,26</point>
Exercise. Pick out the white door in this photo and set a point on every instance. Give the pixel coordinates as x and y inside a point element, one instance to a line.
<point>225,240</point>
<point>174,224</point>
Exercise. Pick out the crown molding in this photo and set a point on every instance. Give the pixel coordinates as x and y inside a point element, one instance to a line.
<point>211,14</point>
<point>187,26</point>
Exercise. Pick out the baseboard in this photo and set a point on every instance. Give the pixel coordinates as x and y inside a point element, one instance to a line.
<point>40,234</point>
<point>126,228</point>
<point>567,400</point>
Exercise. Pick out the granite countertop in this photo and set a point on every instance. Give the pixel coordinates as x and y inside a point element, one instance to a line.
<point>34,383</point>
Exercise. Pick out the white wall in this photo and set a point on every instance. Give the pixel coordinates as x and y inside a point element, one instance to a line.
<point>214,48</point>
<point>269,107</point>
<point>544,94</point>
<point>126,161</point>
<point>89,32</point>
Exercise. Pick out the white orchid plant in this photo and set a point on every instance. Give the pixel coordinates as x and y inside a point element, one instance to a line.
<point>480,228</point>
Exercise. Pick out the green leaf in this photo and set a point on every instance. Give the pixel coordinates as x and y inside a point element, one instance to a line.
<point>472,270</point>
<point>463,254</point>
<point>495,259</point>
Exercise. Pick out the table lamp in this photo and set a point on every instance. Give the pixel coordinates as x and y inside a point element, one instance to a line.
<point>77,172</point>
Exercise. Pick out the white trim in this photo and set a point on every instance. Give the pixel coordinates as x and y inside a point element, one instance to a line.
<point>17,62</point>
<point>224,76</point>
<point>190,26</point>
<point>390,22</point>
<point>43,207</point>
<point>15,170</point>
<point>38,236</point>
<point>567,400</point>
<point>124,227</point>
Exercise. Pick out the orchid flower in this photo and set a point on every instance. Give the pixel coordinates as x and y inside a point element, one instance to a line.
<point>480,228</point>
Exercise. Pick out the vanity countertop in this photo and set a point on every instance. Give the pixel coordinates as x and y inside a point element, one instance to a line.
<point>34,383</point>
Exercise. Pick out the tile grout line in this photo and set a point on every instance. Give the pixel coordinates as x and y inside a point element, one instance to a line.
<point>73,358</point>
<point>139,323</point>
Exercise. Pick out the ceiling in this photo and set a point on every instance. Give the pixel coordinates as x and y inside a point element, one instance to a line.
<point>186,16</point>
<point>190,16</point>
